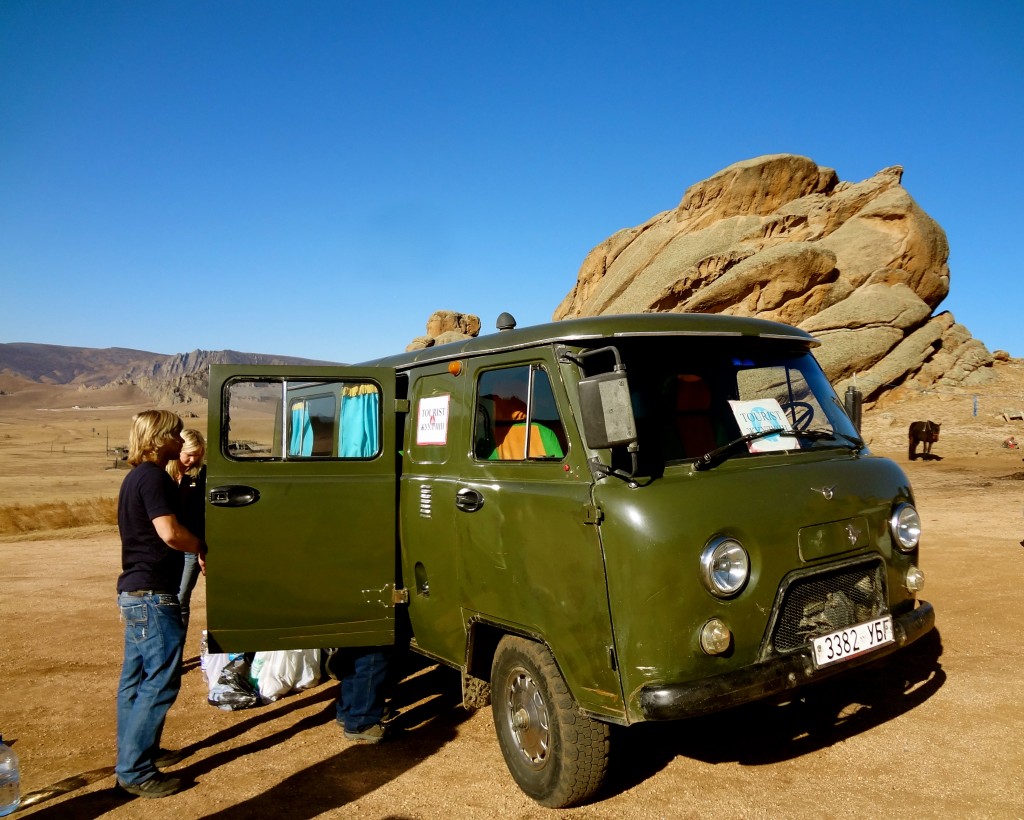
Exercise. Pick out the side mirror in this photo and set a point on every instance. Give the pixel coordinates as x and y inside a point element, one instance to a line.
<point>607,411</point>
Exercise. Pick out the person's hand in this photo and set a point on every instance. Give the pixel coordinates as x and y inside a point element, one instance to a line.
<point>202,563</point>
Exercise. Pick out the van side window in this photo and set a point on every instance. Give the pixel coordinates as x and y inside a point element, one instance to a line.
<point>282,420</point>
<point>510,402</point>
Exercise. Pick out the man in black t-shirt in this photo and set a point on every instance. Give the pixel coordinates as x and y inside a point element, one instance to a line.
<point>153,543</point>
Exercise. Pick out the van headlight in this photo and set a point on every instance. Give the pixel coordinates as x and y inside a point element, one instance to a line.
<point>724,567</point>
<point>905,525</point>
<point>715,637</point>
<point>914,580</point>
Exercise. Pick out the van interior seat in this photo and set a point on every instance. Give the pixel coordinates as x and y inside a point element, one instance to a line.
<point>510,433</point>
<point>693,417</point>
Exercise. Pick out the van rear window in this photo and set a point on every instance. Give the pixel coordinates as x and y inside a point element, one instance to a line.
<point>279,419</point>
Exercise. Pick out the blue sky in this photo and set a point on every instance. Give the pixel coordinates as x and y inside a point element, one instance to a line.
<point>316,178</point>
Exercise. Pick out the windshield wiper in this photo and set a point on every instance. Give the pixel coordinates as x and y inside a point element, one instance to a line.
<point>717,456</point>
<point>858,443</point>
<point>832,435</point>
<point>815,434</point>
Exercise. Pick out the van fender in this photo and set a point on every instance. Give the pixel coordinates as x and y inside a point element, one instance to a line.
<point>482,638</point>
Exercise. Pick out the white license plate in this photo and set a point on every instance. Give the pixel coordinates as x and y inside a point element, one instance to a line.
<point>852,641</point>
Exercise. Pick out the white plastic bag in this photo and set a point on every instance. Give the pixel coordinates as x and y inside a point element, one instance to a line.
<point>281,671</point>
<point>227,677</point>
<point>213,664</point>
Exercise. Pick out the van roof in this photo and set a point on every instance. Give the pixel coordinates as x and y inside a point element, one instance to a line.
<point>597,328</point>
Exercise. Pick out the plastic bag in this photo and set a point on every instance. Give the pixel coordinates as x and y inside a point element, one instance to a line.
<point>212,665</point>
<point>281,671</point>
<point>233,690</point>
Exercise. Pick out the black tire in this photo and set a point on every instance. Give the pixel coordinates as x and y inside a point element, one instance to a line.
<point>556,754</point>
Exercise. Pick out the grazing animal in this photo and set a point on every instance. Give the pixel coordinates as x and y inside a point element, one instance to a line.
<point>925,433</point>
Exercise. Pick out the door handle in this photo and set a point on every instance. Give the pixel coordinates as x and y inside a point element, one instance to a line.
<point>236,495</point>
<point>468,500</point>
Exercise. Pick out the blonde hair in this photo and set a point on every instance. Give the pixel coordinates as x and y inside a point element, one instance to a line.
<point>193,441</point>
<point>151,430</point>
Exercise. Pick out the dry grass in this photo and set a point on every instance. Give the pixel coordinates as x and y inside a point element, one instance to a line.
<point>16,519</point>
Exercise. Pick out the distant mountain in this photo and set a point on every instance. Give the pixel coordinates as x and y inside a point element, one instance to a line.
<point>177,378</point>
<point>56,364</point>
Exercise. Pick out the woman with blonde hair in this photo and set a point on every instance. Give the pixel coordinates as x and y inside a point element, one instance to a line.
<point>153,545</point>
<point>189,473</point>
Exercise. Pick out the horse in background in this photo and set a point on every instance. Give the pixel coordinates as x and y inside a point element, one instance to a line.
<point>925,433</point>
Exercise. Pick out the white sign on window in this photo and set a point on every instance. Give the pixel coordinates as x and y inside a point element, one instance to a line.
<point>763,414</point>
<point>432,420</point>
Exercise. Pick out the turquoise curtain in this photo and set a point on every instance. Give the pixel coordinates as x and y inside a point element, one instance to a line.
<point>359,436</point>
<point>301,443</point>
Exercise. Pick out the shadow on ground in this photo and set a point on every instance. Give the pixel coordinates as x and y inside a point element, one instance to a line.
<point>428,712</point>
<point>427,709</point>
<point>763,733</point>
<point>359,769</point>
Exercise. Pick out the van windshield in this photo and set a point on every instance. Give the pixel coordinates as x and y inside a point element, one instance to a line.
<point>693,396</point>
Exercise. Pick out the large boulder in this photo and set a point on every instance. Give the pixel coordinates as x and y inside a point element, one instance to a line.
<point>445,326</point>
<point>860,265</point>
<point>444,321</point>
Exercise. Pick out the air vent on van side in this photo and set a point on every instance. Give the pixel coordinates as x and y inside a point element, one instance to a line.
<point>426,506</point>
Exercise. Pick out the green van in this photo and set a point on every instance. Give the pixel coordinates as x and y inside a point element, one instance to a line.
<point>598,521</point>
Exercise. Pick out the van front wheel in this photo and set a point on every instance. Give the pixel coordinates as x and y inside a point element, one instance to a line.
<point>556,754</point>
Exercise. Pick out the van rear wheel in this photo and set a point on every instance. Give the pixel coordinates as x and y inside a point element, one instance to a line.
<point>556,754</point>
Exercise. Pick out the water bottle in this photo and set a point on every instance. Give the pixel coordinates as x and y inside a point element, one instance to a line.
<point>204,652</point>
<point>10,779</point>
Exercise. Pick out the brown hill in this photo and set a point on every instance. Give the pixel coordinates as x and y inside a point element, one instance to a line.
<point>58,364</point>
<point>180,378</point>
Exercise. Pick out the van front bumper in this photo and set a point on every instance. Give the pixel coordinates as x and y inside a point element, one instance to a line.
<point>769,678</point>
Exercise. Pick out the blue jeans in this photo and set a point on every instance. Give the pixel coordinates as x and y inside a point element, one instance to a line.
<point>150,680</point>
<point>360,701</point>
<point>189,576</point>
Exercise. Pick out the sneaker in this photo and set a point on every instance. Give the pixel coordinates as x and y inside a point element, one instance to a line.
<point>371,734</point>
<point>159,785</point>
<point>165,758</point>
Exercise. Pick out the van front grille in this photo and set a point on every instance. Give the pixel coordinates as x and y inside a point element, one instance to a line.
<point>814,605</point>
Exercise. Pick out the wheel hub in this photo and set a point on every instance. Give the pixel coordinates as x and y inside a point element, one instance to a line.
<point>528,716</point>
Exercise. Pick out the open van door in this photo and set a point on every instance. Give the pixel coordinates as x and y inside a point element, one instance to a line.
<point>300,514</point>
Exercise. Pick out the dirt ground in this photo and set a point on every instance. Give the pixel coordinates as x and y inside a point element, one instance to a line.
<point>935,732</point>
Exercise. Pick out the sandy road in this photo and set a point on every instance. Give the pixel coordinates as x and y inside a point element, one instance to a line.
<point>938,733</point>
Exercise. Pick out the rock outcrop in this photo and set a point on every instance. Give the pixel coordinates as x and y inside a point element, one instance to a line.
<point>859,265</point>
<point>184,378</point>
<point>445,326</point>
